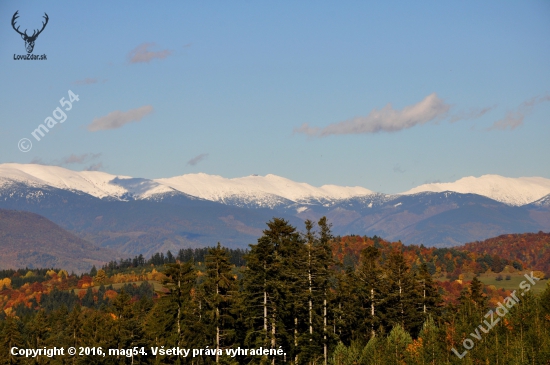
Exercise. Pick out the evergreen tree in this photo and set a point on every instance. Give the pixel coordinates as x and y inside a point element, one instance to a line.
<point>126,331</point>
<point>324,258</point>
<point>74,326</point>
<point>181,279</point>
<point>219,290</point>
<point>11,337</point>
<point>430,298</point>
<point>402,295</point>
<point>545,300</point>
<point>430,340</point>
<point>371,353</point>
<point>371,291</point>
<point>38,329</point>
<point>396,346</point>
<point>307,279</point>
<point>346,305</point>
<point>476,294</point>
<point>270,283</point>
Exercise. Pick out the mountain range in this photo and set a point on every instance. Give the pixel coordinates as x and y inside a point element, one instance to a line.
<point>136,215</point>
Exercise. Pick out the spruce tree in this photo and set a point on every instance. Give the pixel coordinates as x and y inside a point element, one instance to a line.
<point>126,330</point>
<point>371,291</point>
<point>430,298</point>
<point>324,257</point>
<point>476,294</point>
<point>311,293</point>
<point>402,295</point>
<point>181,279</point>
<point>219,291</point>
<point>396,345</point>
<point>271,280</point>
<point>11,337</point>
<point>430,339</point>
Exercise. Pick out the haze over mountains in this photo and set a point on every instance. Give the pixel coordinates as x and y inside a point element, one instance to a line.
<point>134,215</point>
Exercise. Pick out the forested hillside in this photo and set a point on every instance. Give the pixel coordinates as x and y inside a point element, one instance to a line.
<point>529,249</point>
<point>30,240</point>
<point>319,299</point>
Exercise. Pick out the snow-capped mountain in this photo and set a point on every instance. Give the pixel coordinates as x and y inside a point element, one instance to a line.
<point>542,202</point>
<point>137,215</point>
<point>261,191</point>
<point>265,191</point>
<point>95,183</point>
<point>511,191</point>
<point>268,191</point>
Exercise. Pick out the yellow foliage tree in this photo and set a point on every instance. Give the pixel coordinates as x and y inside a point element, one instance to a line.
<point>5,283</point>
<point>100,278</point>
<point>29,274</point>
<point>63,274</point>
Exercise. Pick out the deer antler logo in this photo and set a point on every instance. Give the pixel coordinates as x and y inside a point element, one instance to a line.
<point>29,40</point>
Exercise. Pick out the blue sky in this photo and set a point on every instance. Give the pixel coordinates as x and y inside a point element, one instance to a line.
<point>385,95</point>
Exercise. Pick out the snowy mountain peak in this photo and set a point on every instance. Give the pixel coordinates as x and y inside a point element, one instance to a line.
<point>512,191</point>
<point>266,191</point>
<point>95,183</point>
<point>261,191</point>
<point>213,187</point>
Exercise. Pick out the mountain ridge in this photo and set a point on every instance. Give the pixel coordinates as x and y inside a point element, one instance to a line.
<point>512,191</point>
<point>268,191</point>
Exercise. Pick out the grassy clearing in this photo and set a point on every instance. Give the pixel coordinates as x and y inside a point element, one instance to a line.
<point>490,278</point>
<point>512,284</point>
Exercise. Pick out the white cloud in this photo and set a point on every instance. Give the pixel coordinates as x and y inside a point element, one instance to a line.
<point>195,160</point>
<point>514,119</point>
<point>142,53</point>
<point>118,119</point>
<point>386,119</point>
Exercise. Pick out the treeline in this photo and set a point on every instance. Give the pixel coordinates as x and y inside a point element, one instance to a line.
<point>236,257</point>
<point>294,294</point>
<point>530,249</point>
<point>444,262</point>
<point>100,299</point>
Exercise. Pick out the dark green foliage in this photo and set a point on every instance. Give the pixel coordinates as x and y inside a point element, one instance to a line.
<point>236,257</point>
<point>218,292</point>
<point>401,297</point>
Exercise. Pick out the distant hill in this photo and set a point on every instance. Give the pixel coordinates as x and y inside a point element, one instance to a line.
<point>530,249</point>
<point>143,226</point>
<point>30,240</point>
<point>522,251</point>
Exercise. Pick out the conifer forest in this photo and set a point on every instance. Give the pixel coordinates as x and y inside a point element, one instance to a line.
<point>298,295</point>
